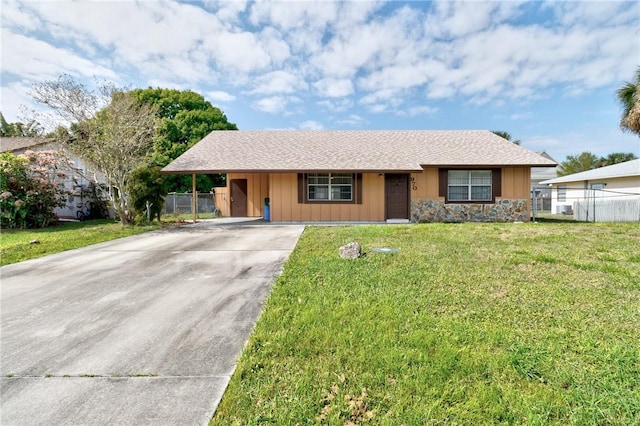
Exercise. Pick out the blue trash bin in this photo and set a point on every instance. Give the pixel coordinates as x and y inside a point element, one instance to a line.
<point>267,213</point>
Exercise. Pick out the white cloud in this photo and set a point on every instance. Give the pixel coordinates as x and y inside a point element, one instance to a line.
<point>365,46</point>
<point>336,105</point>
<point>219,95</point>
<point>34,59</point>
<point>15,17</point>
<point>311,125</point>
<point>416,111</point>
<point>229,9</point>
<point>352,120</point>
<point>278,82</point>
<point>237,51</point>
<point>334,88</point>
<point>290,15</point>
<point>457,19</point>
<point>275,104</point>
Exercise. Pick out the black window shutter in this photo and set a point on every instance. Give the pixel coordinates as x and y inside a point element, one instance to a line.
<point>496,180</point>
<point>301,188</point>
<point>442,182</point>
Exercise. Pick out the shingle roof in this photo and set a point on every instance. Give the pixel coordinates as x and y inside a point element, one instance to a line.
<point>16,144</point>
<point>628,168</point>
<point>354,150</point>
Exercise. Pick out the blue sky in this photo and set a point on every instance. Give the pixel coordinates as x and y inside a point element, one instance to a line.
<point>546,72</point>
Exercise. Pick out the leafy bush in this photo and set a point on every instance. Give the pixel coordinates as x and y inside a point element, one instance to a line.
<point>31,187</point>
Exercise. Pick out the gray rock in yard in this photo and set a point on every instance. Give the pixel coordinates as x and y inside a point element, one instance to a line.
<point>350,251</point>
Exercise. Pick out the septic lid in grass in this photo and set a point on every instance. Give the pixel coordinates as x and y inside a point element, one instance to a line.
<point>385,250</point>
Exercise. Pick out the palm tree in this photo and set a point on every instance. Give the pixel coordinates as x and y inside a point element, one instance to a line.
<point>629,97</point>
<point>506,135</point>
<point>616,158</point>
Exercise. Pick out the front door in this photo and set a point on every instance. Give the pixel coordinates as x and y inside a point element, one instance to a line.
<point>238,197</point>
<point>397,196</point>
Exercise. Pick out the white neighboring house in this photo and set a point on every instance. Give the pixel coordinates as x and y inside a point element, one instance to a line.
<point>617,182</point>
<point>75,181</point>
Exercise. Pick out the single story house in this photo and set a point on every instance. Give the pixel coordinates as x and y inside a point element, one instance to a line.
<point>616,182</point>
<point>367,175</point>
<point>81,191</point>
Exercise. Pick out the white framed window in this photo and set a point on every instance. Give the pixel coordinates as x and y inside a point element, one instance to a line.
<point>330,187</point>
<point>469,185</point>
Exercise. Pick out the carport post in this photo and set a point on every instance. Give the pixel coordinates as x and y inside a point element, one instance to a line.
<point>194,199</point>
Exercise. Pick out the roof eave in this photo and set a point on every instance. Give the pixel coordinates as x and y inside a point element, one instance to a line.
<point>324,170</point>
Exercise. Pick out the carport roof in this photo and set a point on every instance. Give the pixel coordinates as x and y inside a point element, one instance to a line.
<point>350,150</point>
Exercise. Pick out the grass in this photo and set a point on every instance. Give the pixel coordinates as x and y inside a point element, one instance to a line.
<point>16,246</point>
<point>466,324</point>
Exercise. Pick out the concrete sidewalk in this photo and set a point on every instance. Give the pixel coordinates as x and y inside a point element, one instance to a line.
<point>140,330</point>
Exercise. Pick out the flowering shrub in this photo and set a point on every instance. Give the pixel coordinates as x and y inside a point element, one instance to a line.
<point>31,187</point>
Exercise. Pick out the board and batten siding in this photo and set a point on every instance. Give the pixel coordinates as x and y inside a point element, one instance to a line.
<point>516,183</point>
<point>286,208</point>
<point>257,191</point>
<point>282,190</point>
<point>425,185</point>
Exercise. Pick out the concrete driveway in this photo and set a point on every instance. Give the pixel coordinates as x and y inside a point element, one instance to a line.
<point>140,330</point>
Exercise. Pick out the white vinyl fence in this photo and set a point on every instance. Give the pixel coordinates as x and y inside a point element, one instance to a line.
<point>607,210</point>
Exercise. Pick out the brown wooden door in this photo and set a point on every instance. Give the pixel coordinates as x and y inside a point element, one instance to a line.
<point>238,197</point>
<point>397,196</point>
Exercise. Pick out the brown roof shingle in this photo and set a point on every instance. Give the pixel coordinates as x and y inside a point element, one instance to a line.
<point>350,150</point>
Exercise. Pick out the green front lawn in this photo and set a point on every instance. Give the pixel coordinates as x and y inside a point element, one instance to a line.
<point>16,245</point>
<point>467,324</point>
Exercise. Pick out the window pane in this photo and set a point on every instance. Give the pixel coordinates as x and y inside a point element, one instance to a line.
<point>318,192</point>
<point>458,193</point>
<point>317,178</point>
<point>481,177</point>
<point>480,193</point>
<point>341,179</point>
<point>458,177</point>
<point>341,193</point>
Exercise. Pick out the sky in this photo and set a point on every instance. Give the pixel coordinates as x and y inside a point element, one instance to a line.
<point>546,72</point>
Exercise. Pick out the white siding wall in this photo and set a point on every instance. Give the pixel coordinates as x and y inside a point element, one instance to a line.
<point>614,188</point>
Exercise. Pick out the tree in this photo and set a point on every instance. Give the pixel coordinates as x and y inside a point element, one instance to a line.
<point>185,118</point>
<point>115,138</point>
<point>629,98</point>
<point>578,163</point>
<point>148,186</point>
<point>615,158</point>
<point>30,189</point>
<point>30,129</point>
<point>506,136</point>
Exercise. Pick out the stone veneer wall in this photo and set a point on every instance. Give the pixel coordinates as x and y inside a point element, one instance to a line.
<point>439,211</point>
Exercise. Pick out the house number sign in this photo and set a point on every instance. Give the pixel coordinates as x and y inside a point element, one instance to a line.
<point>413,184</point>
